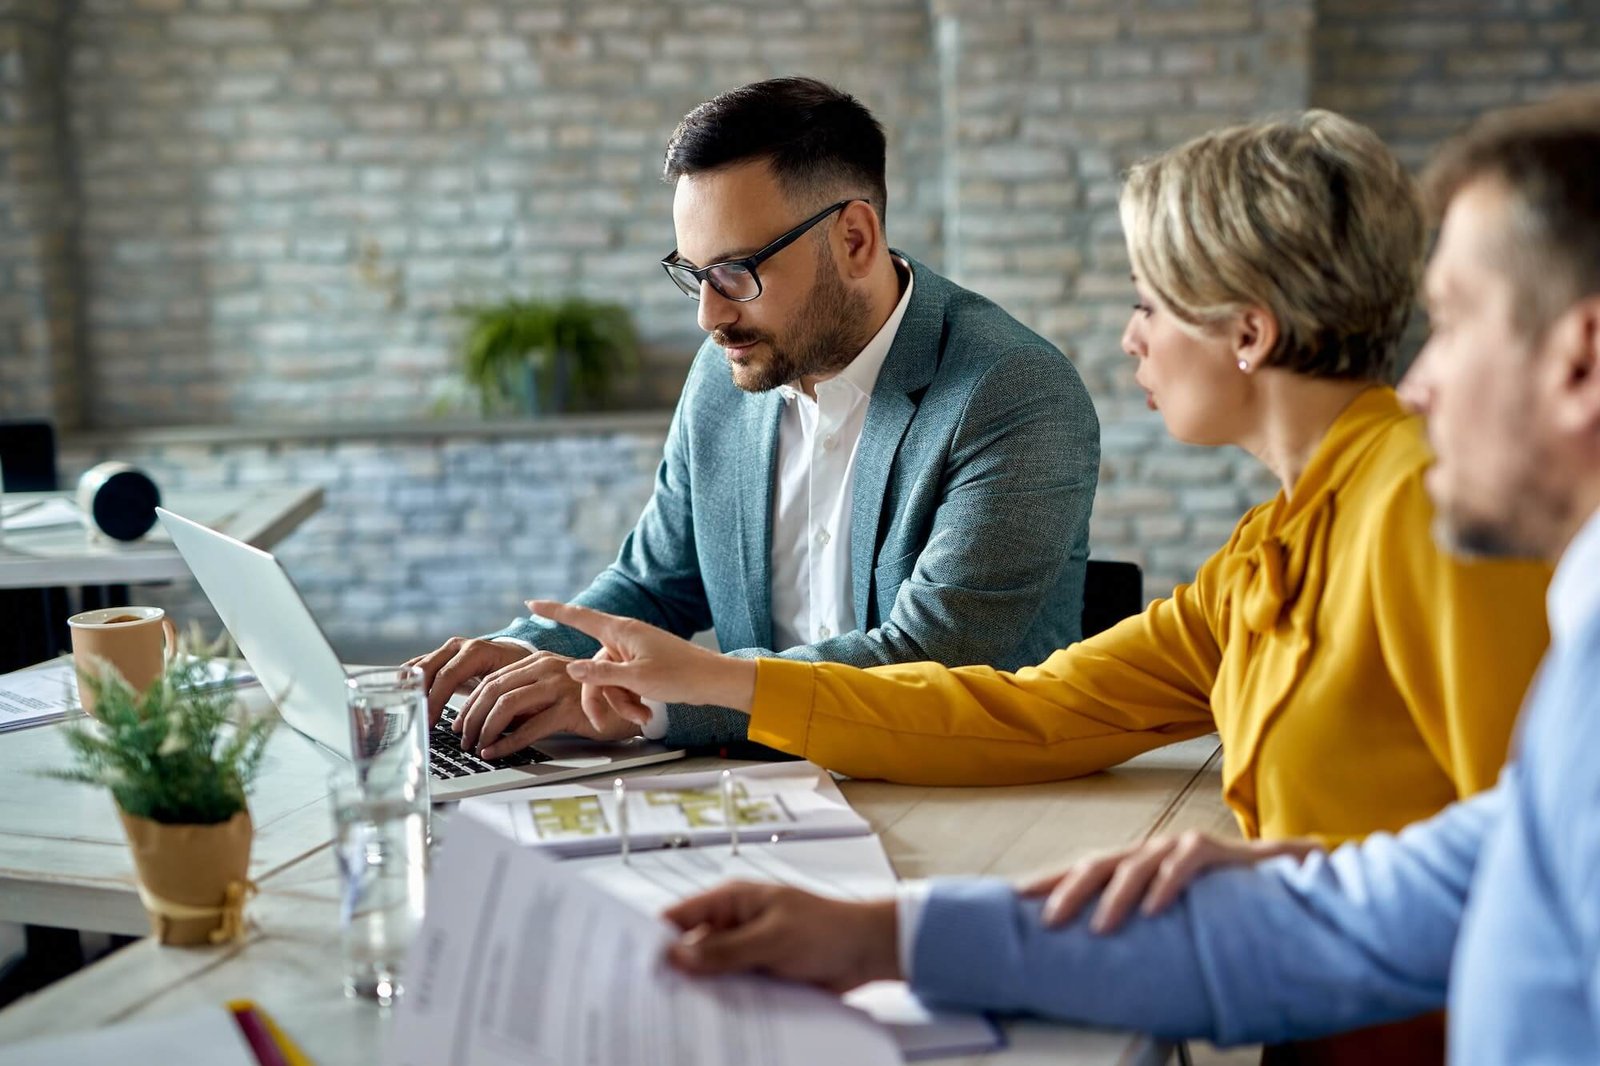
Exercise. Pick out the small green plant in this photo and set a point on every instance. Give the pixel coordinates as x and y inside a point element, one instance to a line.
<point>543,355</point>
<point>170,753</point>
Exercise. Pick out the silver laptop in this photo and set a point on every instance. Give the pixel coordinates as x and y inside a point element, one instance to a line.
<point>297,667</point>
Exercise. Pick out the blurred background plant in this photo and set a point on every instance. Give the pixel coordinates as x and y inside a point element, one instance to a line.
<point>546,356</point>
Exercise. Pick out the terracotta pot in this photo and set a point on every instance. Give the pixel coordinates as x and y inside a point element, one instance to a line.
<point>193,878</point>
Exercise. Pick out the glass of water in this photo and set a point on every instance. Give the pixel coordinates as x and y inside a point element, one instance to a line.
<point>381,850</point>
<point>388,712</point>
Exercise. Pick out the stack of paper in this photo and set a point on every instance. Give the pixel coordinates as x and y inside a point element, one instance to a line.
<point>240,1034</point>
<point>18,515</point>
<point>519,961</point>
<point>40,695</point>
<point>796,829</point>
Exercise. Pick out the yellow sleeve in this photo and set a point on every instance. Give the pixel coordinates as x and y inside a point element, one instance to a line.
<point>1462,638</point>
<point>1143,683</point>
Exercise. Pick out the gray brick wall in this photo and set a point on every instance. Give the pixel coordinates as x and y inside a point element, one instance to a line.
<point>38,253</point>
<point>285,198</point>
<point>281,200</point>
<point>1052,101</point>
<point>1418,71</point>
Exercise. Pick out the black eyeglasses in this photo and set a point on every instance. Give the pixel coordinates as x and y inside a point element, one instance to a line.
<point>737,279</point>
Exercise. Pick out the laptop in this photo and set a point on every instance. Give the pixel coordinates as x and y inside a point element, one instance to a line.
<point>291,657</point>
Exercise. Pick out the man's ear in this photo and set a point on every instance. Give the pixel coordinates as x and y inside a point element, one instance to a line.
<point>1255,336</point>
<point>1572,370</point>
<point>861,235</point>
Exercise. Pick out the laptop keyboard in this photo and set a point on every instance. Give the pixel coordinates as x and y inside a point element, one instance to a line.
<point>446,757</point>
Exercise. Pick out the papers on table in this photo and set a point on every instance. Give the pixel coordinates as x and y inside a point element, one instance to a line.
<point>922,1033</point>
<point>210,1035</point>
<point>18,515</point>
<point>520,962</point>
<point>843,867</point>
<point>40,695</point>
<point>773,802</point>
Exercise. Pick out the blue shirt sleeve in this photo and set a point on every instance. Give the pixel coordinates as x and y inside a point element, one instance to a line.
<point>1284,950</point>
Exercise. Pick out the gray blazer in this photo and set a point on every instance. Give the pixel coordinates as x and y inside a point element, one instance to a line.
<point>974,478</point>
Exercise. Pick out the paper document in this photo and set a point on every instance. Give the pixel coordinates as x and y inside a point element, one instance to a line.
<point>844,867</point>
<point>772,802</point>
<point>921,1032</point>
<point>520,963</point>
<point>40,695</point>
<point>18,515</point>
<point>209,1035</point>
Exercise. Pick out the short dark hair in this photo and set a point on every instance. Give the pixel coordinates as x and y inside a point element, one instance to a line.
<point>1545,155</point>
<point>819,141</point>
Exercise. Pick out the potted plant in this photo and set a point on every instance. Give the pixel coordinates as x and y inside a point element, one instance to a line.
<point>178,769</point>
<point>543,356</point>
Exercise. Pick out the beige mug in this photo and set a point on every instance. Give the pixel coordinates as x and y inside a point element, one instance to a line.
<point>137,642</point>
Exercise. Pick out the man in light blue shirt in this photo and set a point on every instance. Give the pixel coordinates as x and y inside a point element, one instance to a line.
<point>1492,906</point>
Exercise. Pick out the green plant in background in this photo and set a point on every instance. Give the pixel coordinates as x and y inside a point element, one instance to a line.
<point>170,753</point>
<point>541,356</point>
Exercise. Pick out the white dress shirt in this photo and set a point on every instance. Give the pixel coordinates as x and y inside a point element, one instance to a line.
<point>817,443</point>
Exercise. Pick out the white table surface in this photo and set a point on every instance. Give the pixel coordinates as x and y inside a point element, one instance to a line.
<point>69,555</point>
<point>64,863</point>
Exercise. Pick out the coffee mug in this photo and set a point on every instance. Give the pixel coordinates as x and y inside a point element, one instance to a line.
<point>137,642</point>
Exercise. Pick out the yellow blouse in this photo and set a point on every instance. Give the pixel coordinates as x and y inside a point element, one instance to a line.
<point>1360,678</point>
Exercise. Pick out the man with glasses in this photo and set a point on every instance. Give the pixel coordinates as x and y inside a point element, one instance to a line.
<point>867,465</point>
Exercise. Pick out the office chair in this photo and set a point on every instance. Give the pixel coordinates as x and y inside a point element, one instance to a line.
<point>28,464</point>
<point>1112,591</point>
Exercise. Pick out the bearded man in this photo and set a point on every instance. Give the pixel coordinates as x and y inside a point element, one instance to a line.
<point>868,463</point>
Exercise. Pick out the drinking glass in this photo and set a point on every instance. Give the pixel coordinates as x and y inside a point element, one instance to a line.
<point>381,851</point>
<point>388,711</point>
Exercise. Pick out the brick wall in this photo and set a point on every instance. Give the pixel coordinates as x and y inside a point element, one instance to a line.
<point>38,253</point>
<point>282,199</point>
<point>286,198</point>
<point>1052,101</point>
<point>1418,71</point>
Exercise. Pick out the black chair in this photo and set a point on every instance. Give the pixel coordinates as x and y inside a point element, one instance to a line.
<point>28,464</point>
<point>1111,592</point>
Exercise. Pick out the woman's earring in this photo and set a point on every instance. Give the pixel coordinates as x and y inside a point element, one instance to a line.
<point>1244,366</point>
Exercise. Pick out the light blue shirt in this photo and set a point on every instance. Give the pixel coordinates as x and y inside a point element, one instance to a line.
<point>1370,933</point>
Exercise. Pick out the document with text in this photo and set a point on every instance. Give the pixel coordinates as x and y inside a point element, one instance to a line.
<point>520,961</point>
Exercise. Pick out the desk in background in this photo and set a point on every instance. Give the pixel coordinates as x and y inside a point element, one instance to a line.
<point>68,555</point>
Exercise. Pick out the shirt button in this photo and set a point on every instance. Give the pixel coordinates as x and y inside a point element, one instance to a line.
<point>830,442</point>
<point>822,537</point>
<point>824,633</point>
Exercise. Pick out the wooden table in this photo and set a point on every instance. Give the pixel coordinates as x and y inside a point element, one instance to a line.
<point>290,963</point>
<point>69,555</point>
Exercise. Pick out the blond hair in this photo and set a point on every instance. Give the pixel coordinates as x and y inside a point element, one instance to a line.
<point>1312,218</point>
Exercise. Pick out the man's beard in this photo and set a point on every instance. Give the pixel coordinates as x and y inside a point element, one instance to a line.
<point>830,330</point>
